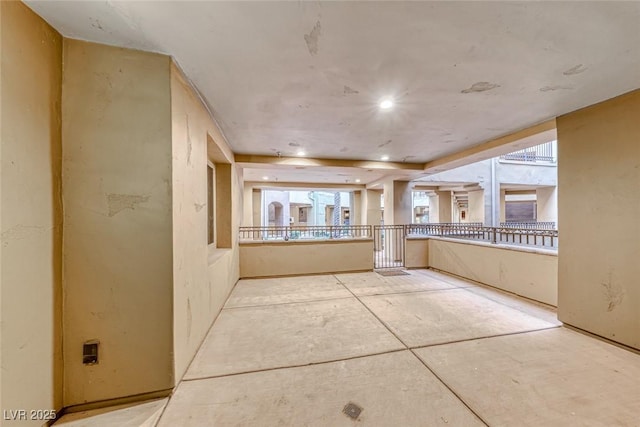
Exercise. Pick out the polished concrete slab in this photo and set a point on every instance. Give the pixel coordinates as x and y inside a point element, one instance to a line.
<point>362,284</point>
<point>142,414</point>
<point>393,389</point>
<point>428,318</point>
<point>266,337</point>
<point>556,377</point>
<point>255,292</point>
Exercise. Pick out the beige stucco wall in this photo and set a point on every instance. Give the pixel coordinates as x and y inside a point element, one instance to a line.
<point>116,129</point>
<point>598,204</point>
<point>371,209</point>
<point>261,259</point>
<point>402,203</point>
<point>255,207</point>
<point>547,204</point>
<point>475,213</point>
<point>31,215</point>
<point>203,276</point>
<point>247,213</point>
<point>445,208</point>
<point>528,272</point>
<point>416,253</point>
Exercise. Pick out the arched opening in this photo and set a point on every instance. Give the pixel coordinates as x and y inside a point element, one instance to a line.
<point>275,214</point>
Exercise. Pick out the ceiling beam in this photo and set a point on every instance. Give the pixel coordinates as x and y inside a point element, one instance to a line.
<point>304,186</point>
<point>249,159</point>
<point>529,137</point>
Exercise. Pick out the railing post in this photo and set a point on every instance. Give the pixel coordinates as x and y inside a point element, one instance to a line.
<point>494,237</point>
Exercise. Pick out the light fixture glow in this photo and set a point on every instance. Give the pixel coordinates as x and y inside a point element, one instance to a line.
<point>386,104</point>
<point>265,178</point>
<point>384,158</point>
<point>301,153</point>
<point>357,179</point>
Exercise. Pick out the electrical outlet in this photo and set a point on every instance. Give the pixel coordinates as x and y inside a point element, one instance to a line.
<point>90,352</point>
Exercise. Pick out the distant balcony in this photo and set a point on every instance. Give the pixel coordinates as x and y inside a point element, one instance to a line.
<point>543,153</point>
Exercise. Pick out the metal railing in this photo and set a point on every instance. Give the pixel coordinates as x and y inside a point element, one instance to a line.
<point>523,236</point>
<point>450,228</point>
<point>388,246</point>
<point>544,238</point>
<point>539,153</point>
<point>305,232</point>
<point>542,225</point>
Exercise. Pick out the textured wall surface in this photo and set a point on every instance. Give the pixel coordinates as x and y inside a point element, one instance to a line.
<point>31,213</point>
<point>118,221</point>
<point>598,205</point>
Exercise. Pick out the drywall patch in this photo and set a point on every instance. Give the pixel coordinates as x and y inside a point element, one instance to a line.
<point>556,87</point>
<point>481,87</point>
<point>312,38</point>
<point>120,202</point>
<point>614,294</point>
<point>575,70</point>
<point>21,232</point>
<point>349,91</point>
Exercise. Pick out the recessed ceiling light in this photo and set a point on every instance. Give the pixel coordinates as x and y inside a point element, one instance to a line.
<point>301,153</point>
<point>384,158</point>
<point>386,104</point>
<point>265,178</point>
<point>357,179</point>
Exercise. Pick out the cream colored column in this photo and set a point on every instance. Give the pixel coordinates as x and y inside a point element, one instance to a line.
<point>397,203</point>
<point>434,209</point>
<point>503,206</point>
<point>373,215</point>
<point>402,203</point>
<point>598,205</point>
<point>444,206</point>
<point>547,204</point>
<point>475,213</point>
<point>256,206</point>
<point>356,208</point>
<point>247,206</point>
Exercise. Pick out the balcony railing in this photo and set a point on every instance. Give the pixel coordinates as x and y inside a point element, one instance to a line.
<point>305,232</point>
<point>539,154</point>
<point>504,235</point>
<point>521,236</point>
<point>540,225</point>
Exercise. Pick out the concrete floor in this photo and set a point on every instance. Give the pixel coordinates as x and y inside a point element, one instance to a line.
<point>421,349</point>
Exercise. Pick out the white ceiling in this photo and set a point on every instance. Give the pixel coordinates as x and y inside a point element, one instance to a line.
<point>280,76</point>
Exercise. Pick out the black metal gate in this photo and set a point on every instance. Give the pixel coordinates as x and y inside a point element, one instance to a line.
<point>388,246</point>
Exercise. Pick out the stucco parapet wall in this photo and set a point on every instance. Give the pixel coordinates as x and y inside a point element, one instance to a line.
<point>531,250</point>
<point>303,241</point>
